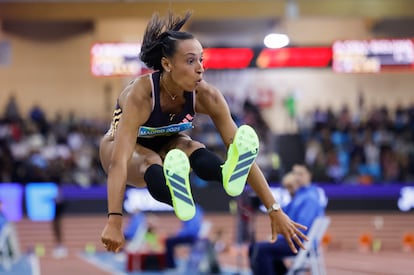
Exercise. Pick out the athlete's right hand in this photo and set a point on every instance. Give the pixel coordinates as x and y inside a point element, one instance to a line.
<point>112,236</point>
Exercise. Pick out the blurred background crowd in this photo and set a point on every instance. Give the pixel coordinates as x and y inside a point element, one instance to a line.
<point>63,149</point>
<point>369,146</point>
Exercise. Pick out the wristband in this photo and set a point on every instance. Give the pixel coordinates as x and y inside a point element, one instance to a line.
<point>115,213</point>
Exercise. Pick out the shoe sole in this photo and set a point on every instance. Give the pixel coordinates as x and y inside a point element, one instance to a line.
<point>176,171</point>
<point>240,158</point>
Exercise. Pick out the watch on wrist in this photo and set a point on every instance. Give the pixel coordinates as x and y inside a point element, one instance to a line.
<point>273,207</point>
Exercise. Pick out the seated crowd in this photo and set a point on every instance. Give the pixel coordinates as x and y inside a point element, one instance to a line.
<point>365,147</point>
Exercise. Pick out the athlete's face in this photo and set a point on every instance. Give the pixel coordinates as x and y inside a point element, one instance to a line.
<point>187,64</point>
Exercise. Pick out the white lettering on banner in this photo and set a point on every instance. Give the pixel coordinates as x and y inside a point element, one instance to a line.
<point>145,131</point>
<point>115,59</point>
<point>173,129</point>
<point>406,200</point>
<point>141,199</point>
<point>403,47</point>
<point>371,55</point>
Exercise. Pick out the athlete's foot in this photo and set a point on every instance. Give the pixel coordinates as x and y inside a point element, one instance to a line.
<point>176,171</point>
<point>240,157</point>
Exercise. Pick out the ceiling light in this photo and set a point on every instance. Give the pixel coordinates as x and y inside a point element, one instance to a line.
<point>276,40</point>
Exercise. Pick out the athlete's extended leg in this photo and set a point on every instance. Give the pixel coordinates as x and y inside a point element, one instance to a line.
<point>176,171</point>
<point>157,185</point>
<point>240,157</point>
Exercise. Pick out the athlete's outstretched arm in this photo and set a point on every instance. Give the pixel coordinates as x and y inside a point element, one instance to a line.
<point>211,102</point>
<point>134,113</point>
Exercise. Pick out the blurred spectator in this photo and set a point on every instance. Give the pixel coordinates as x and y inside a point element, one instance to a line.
<point>60,250</point>
<point>334,170</point>
<point>313,149</point>
<point>320,119</point>
<point>141,233</point>
<point>6,162</point>
<point>217,240</point>
<point>343,120</point>
<point>5,245</point>
<point>391,166</point>
<point>38,116</point>
<point>305,207</point>
<point>247,204</point>
<point>252,116</point>
<point>136,221</point>
<point>318,168</point>
<point>304,179</point>
<point>11,110</point>
<point>187,235</point>
<point>290,106</point>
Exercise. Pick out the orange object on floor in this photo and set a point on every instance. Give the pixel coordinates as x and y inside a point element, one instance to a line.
<point>408,242</point>
<point>326,240</point>
<point>365,242</point>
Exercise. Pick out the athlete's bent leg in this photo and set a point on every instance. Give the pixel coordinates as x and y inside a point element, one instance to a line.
<point>156,184</point>
<point>206,165</point>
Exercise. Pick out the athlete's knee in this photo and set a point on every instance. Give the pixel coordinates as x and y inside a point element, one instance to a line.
<point>191,146</point>
<point>150,160</point>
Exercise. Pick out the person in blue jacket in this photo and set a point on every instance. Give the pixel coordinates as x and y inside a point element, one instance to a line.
<point>136,220</point>
<point>187,235</point>
<point>304,207</point>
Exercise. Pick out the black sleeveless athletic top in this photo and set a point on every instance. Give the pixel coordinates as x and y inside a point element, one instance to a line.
<point>160,127</point>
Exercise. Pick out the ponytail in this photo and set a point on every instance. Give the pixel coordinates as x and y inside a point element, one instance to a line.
<point>160,38</point>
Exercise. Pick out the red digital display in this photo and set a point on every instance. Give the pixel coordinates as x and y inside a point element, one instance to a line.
<point>227,58</point>
<point>294,57</point>
<point>121,59</point>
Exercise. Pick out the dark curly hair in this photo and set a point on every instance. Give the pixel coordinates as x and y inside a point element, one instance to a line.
<point>160,38</point>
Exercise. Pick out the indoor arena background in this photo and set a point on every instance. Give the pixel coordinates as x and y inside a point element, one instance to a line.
<point>338,97</point>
